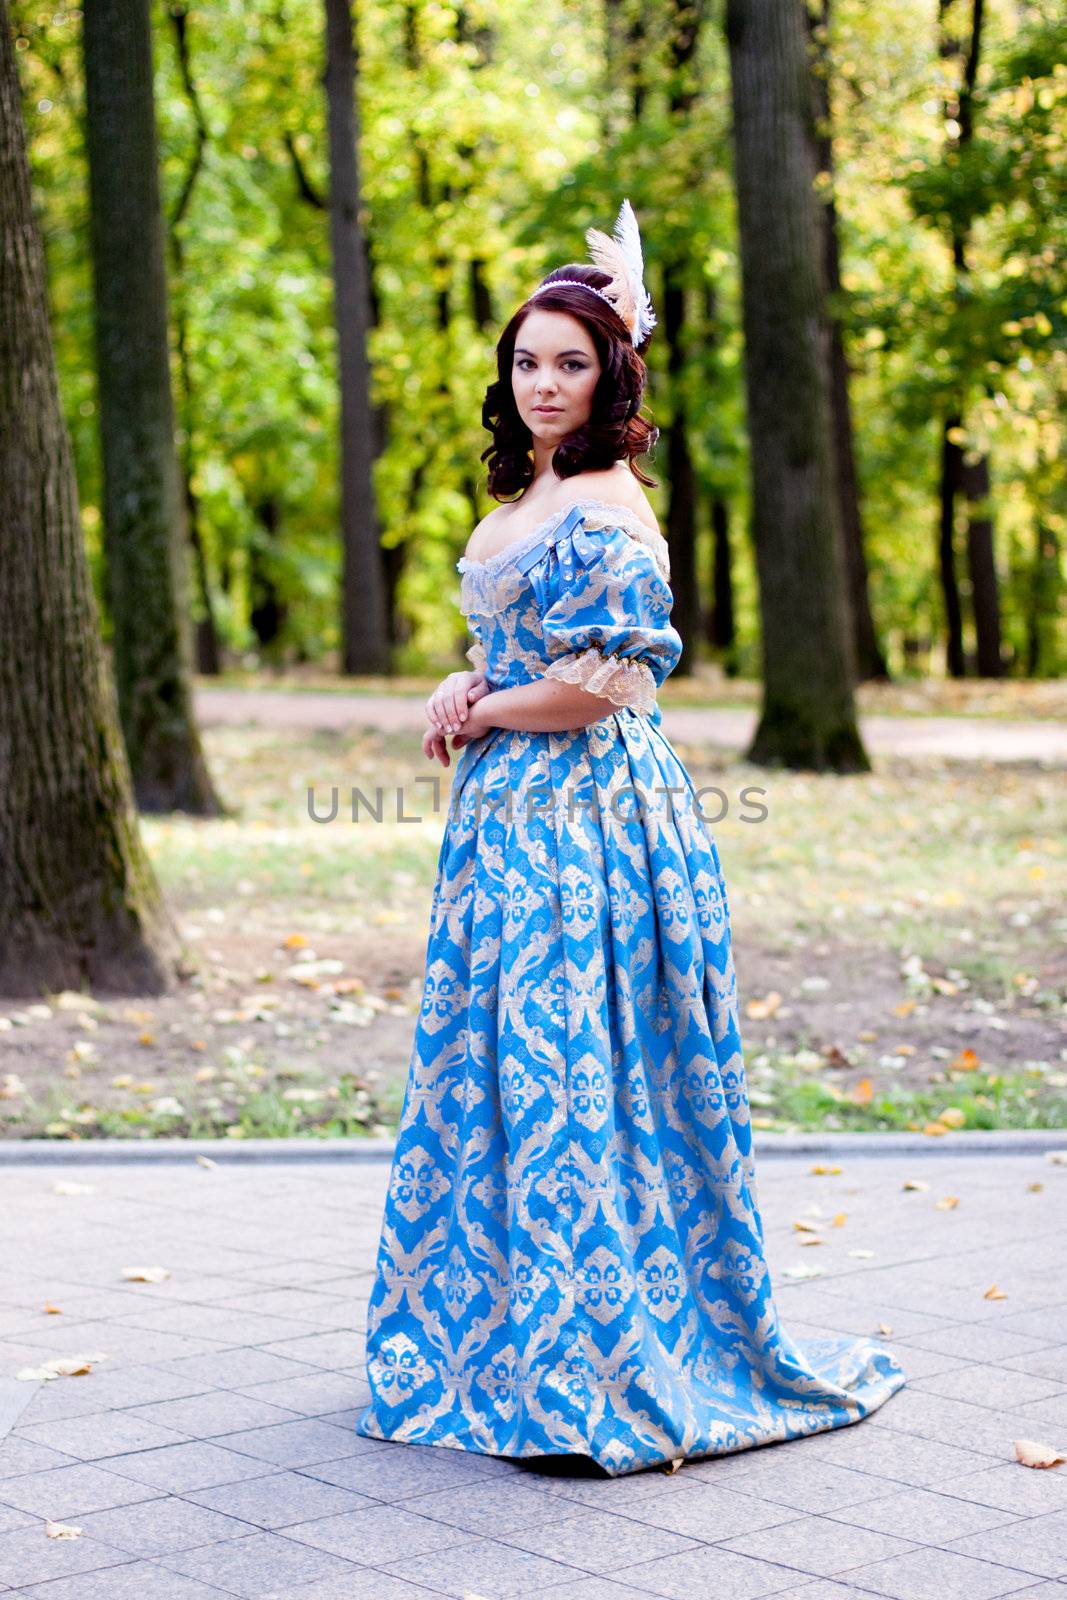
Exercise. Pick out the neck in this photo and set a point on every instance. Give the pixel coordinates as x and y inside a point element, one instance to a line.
<point>543,451</point>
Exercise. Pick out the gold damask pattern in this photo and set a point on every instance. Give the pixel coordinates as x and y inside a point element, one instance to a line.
<point>571,1257</point>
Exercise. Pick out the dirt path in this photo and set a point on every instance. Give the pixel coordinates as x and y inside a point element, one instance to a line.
<point>957,738</point>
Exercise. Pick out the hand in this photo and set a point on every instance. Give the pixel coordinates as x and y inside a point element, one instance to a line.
<point>435,745</point>
<point>447,707</point>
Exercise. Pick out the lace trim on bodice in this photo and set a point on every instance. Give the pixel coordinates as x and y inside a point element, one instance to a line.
<point>489,586</point>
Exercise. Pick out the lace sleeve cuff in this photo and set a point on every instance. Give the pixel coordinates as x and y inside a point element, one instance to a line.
<point>624,682</point>
<point>476,656</point>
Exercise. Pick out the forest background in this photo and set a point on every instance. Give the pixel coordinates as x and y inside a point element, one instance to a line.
<point>899,921</point>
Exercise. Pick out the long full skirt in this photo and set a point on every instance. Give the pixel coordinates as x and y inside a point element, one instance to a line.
<point>572,1256</point>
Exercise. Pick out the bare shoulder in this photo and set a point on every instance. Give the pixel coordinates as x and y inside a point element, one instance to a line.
<point>616,486</point>
<point>490,520</point>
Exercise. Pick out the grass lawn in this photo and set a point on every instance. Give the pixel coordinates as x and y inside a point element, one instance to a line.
<point>899,943</point>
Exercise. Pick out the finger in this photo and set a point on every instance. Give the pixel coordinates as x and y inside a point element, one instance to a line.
<point>459,708</point>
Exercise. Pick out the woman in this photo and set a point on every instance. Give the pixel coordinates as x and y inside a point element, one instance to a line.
<point>571,1258</point>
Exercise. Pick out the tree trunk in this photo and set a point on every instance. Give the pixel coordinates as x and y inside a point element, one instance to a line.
<point>808,717</point>
<point>951,459</point>
<point>78,901</point>
<point>208,650</point>
<point>684,36</point>
<point>985,590</point>
<point>870,659</point>
<point>1044,596</point>
<point>722,633</point>
<point>682,488</point>
<point>268,613</point>
<point>970,478</point>
<point>364,623</point>
<point>144,511</point>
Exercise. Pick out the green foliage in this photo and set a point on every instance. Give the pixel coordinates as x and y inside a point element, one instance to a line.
<point>492,135</point>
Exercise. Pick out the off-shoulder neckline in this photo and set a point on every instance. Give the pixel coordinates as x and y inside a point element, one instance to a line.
<point>627,518</point>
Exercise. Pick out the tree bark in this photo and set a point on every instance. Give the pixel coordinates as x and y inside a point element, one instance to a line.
<point>951,462</point>
<point>970,478</point>
<point>686,17</point>
<point>207,645</point>
<point>985,589</point>
<point>78,900</point>
<point>1044,600</point>
<point>364,622</point>
<point>146,534</point>
<point>808,717</point>
<point>722,633</point>
<point>870,658</point>
<point>682,487</point>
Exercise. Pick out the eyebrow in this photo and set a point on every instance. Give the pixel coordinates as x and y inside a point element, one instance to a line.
<point>521,351</point>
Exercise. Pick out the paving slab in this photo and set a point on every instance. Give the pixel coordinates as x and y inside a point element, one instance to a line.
<point>211,1450</point>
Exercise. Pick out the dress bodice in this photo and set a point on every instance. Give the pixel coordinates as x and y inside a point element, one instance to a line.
<point>584,596</point>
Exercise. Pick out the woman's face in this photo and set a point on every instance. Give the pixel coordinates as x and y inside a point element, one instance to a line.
<point>554,374</point>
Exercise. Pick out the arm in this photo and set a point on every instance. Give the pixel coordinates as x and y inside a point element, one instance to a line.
<point>548,705</point>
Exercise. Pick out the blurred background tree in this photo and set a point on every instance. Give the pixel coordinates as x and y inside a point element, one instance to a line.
<point>490,136</point>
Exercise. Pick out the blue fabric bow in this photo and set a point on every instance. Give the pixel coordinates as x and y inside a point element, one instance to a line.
<point>576,546</point>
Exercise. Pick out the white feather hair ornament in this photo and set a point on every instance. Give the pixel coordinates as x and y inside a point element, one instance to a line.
<point>621,257</point>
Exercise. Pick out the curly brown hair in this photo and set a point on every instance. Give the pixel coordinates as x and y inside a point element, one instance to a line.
<point>614,429</point>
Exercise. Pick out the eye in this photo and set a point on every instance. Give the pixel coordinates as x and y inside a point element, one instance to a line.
<point>580,365</point>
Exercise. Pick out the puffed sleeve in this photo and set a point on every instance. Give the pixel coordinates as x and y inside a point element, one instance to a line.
<point>608,627</point>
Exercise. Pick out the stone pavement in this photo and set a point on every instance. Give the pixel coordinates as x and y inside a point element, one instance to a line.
<point>212,1453</point>
<point>722,727</point>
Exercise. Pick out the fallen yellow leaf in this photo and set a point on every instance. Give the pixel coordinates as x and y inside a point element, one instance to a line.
<point>59,1367</point>
<point>145,1274</point>
<point>824,1166</point>
<point>948,1202</point>
<point>839,1219</point>
<point>934,1129</point>
<point>62,1530</point>
<point>295,941</point>
<point>915,1183</point>
<point>863,1092</point>
<point>760,1010</point>
<point>1033,1453</point>
<point>50,1310</point>
<point>993,1293</point>
<point>966,1061</point>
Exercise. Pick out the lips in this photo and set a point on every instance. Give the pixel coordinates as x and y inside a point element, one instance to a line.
<point>548,410</point>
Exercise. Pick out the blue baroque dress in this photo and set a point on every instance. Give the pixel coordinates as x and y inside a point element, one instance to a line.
<point>571,1256</point>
